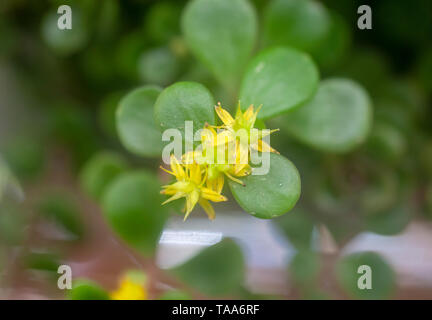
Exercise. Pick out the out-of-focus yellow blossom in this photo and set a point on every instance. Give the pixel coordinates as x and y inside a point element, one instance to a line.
<point>190,184</point>
<point>131,287</point>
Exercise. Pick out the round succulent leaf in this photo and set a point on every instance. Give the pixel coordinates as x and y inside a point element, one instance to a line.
<point>99,171</point>
<point>337,119</point>
<point>302,24</point>
<point>217,270</point>
<point>83,289</point>
<point>184,101</point>
<point>270,195</point>
<point>132,207</point>
<point>136,126</point>
<point>354,270</point>
<point>279,79</point>
<point>222,34</point>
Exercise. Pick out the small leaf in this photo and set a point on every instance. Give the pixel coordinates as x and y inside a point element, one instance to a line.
<point>271,195</point>
<point>135,123</point>
<point>87,290</point>
<point>62,211</point>
<point>65,41</point>
<point>184,101</point>
<point>297,227</point>
<point>391,221</point>
<point>301,24</point>
<point>132,206</point>
<point>221,33</point>
<point>42,261</point>
<point>382,276</point>
<point>158,66</point>
<point>99,171</point>
<point>337,119</point>
<point>304,268</point>
<point>279,79</point>
<point>332,51</point>
<point>215,271</point>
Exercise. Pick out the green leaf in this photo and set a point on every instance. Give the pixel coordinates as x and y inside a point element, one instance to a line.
<point>391,221</point>
<point>222,34</point>
<point>162,21</point>
<point>297,227</point>
<point>304,268</point>
<point>66,41</point>
<point>61,210</point>
<point>337,119</point>
<point>13,224</point>
<point>383,277</point>
<point>158,66</point>
<point>132,206</point>
<point>215,271</point>
<point>135,122</point>
<point>107,113</point>
<point>43,261</point>
<point>271,195</point>
<point>332,51</point>
<point>99,171</point>
<point>184,101</point>
<point>25,155</point>
<point>301,24</point>
<point>87,290</point>
<point>279,79</point>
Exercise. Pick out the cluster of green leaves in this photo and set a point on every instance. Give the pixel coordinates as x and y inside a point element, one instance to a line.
<point>183,56</point>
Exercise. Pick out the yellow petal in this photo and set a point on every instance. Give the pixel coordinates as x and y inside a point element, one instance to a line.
<point>177,169</point>
<point>195,173</point>
<point>264,147</point>
<point>211,195</point>
<point>249,113</point>
<point>216,184</point>
<point>267,132</point>
<point>234,179</point>
<point>191,200</point>
<point>178,195</point>
<point>167,171</point>
<point>207,208</point>
<point>224,116</point>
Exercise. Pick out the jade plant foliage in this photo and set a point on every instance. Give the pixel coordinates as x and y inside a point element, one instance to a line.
<point>333,115</point>
<point>349,138</point>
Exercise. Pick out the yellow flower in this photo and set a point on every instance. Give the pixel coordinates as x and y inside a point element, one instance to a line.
<point>131,288</point>
<point>190,185</point>
<point>245,121</point>
<point>219,153</point>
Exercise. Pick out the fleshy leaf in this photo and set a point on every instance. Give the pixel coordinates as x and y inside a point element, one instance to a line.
<point>337,119</point>
<point>271,195</point>
<point>184,101</point>
<point>382,276</point>
<point>132,206</point>
<point>215,271</point>
<point>135,122</point>
<point>279,79</point>
<point>301,24</point>
<point>222,34</point>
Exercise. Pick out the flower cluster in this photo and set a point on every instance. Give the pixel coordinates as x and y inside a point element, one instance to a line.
<point>225,151</point>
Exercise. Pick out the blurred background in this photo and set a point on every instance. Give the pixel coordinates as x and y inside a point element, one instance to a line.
<point>59,91</point>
